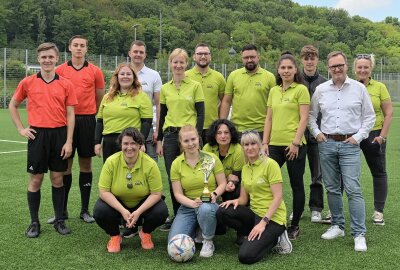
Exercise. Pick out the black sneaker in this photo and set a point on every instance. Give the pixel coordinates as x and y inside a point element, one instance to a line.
<point>33,230</point>
<point>130,232</point>
<point>293,232</point>
<point>85,216</point>
<point>240,239</point>
<point>167,225</point>
<point>53,219</point>
<point>61,228</point>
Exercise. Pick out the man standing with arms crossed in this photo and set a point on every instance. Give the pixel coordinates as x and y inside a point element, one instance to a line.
<point>347,118</point>
<point>51,119</point>
<point>247,89</point>
<point>309,58</point>
<point>88,82</point>
<point>212,82</point>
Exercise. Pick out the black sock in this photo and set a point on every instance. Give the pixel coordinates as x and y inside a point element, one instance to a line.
<point>34,204</point>
<point>67,180</point>
<point>58,201</point>
<point>85,185</point>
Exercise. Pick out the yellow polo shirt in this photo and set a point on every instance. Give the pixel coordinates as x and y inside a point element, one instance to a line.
<point>257,179</point>
<point>124,111</point>
<point>378,93</point>
<point>234,159</point>
<point>192,179</point>
<point>146,178</point>
<point>213,84</point>
<point>181,102</point>
<point>285,112</point>
<point>250,95</point>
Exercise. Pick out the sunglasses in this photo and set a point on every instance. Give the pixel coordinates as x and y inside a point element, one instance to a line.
<point>254,131</point>
<point>129,179</point>
<point>363,56</point>
<point>339,66</point>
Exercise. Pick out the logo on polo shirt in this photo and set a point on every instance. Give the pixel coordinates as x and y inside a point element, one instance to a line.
<point>124,104</point>
<point>144,83</point>
<point>260,180</point>
<point>189,98</point>
<point>258,84</point>
<point>209,86</point>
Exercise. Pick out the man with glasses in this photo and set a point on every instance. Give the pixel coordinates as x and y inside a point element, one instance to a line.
<point>347,118</point>
<point>213,84</point>
<point>309,58</point>
<point>247,89</point>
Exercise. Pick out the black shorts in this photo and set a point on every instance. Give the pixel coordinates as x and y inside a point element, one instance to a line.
<point>84,136</point>
<point>44,152</point>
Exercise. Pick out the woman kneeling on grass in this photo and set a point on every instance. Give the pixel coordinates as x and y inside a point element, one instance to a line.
<point>130,187</point>
<point>264,222</point>
<point>188,185</point>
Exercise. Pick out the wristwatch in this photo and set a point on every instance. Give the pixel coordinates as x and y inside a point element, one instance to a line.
<point>266,219</point>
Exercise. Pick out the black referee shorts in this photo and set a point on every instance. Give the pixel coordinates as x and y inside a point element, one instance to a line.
<point>84,136</point>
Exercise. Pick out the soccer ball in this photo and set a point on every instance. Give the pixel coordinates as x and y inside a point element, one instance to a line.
<point>181,248</point>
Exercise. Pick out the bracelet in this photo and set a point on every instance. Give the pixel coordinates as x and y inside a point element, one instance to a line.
<point>297,145</point>
<point>383,138</point>
<point>215,194</point>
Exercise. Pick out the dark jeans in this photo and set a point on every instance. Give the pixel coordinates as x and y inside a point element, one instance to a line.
<point>243,220</point>
<point>171,151</point>
<point>316,202</point>
<point>375,155</point>
<point>295,169</point>
<point>109,219</point>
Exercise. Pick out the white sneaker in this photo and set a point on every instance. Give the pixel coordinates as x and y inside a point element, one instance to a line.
<point>208,248</point>
<point>327,219</point>
<point>199,236</point>
<point>332,233</point>
<point>360,243</point>
<point>284,246</point>
<point>378,218</point>
<point>291,216</point>
<point>316,217</point>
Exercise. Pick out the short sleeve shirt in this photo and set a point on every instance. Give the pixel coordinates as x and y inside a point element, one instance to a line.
<point>146,178</point>
<point>234,159</point>
<point>378,93</point>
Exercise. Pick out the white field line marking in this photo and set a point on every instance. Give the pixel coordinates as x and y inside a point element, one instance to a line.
<point>10,152</point>
<point>12,141</point>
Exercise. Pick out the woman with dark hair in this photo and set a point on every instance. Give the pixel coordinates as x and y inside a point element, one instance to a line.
<point>374,147</point>
<point>125,105</point>
<point>286,121</point>
<point>130,187</point>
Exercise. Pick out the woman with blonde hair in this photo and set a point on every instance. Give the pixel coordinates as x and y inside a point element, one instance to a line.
<point>125,105</point>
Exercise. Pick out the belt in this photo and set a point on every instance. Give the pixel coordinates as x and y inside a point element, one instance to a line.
<point>338,137</point>
<point>172,129</point>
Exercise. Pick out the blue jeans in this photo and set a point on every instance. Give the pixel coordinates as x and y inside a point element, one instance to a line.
<point>150,146</point>
<point>339,158</point>
<point>187,219</point>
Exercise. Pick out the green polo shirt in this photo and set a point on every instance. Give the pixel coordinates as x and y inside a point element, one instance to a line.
<point>234,159</point>
<point>124,111</point>
<point>146,178</point>
<point>181,102</point>
<point>378,93</point>
<point>257,179</point>
<point>192,179</point>
<point>286,113</point>
<point>213,84</point>
<point>250,95</point>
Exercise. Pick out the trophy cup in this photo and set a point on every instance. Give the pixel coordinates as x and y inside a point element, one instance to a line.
<point>207,165</point>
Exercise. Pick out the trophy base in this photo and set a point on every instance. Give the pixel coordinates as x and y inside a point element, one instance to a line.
<point>205,199</point>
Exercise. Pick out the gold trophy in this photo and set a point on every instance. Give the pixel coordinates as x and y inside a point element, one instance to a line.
<point>207,165</point>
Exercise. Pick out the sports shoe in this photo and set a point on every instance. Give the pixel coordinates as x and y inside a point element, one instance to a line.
<point>61,228</point>
<point>53,219</point>
<point>359,243</point>
<point>207,249</point>
<point>284,246</point>
<point>87,217</point>
<point>199,236</point>
<point>33,230</point>
<point>114,244</point>
<point>291,216</point>
<point>377,218</point>
<point>327,219</point>
<point>130,232</point>
<point>240,239</point>
<point>293,232</point>
<point>316,217</point>
<point>167,225</point>
<point>146,241</point>
<point>332,233</point>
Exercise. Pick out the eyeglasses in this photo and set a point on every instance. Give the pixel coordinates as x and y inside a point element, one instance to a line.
<point>363,56</point>
<point>129,179</point>
<point>339,66</point>
<point>203,54</point>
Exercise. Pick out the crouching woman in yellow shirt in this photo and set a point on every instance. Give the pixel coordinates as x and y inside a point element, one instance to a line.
<point>264,221</point>
<point>130,187</point>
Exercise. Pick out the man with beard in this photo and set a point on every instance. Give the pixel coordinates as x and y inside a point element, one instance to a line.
<point>213,84</point>
<point>247,89</point>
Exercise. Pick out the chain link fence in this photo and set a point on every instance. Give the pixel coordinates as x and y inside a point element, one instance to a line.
<point>15,64</point>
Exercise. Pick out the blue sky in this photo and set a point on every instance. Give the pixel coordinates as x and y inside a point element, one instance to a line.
<point>375,10</point>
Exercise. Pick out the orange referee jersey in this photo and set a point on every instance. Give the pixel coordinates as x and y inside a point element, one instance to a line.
<point>47,101</point>
<point>85,81</point>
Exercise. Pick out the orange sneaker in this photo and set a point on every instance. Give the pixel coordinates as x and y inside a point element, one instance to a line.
<point>114,245</point>
<point>146,241</point>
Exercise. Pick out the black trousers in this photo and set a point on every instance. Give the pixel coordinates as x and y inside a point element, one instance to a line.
<point>109,219</point>
<point>110,145</point>
<point>243,220</point>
